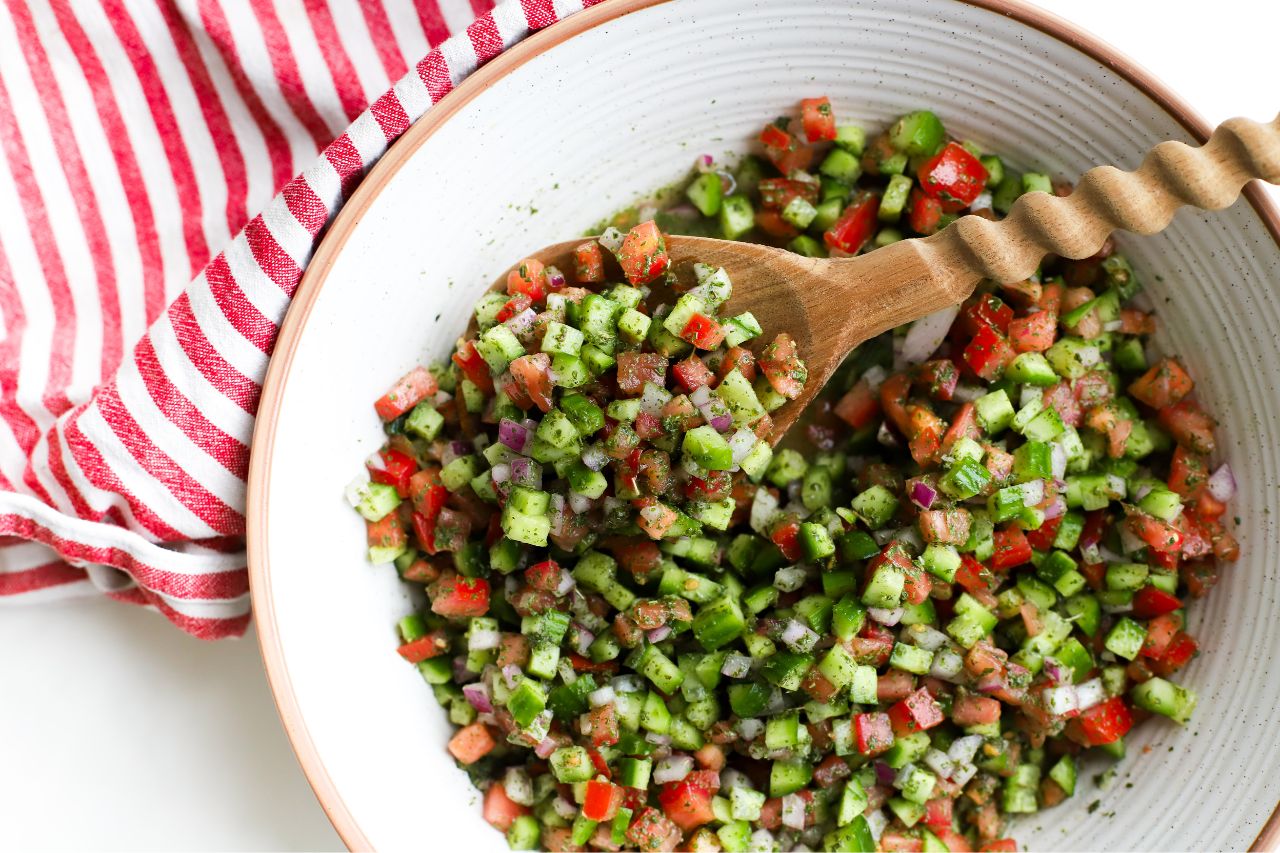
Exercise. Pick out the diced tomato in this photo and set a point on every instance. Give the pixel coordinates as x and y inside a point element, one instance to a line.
<point>429,645</point>
<point>1207,506</point>
<point>924,432</point>
<point>819,119</point>
<point>772,223</point>
<point>471,743</point>
<point>424,528</point>
<point>893,400</point>
<point>692,373</point>
<point>953,176</point>
<point>986,310</point>
<point>874,732</point>
<point>651,831</point>
<point>387,532</point>
<point>1189,426</point>
<point>409,390</point>
<point>786,535</point>
<point>924,212</point>
<point>999,845</point>
<point>916,713</point>
<point>859,406</point>
<point>1179,652</point>
<point>963,425</point>
<point>954,841</point>
<point>945,526</point>
<point>514,306</point>
<point>527,277</point>
<point>775,137</point>
<point>971,709</point>
<point>1158,535</point>
<point>636,556</point>
<point>892,841</point>
<point>1135,322</point>
<point>894,685</point>
<point>917,585</point>
<point>1150,602</point>
<point>421,571</point>
<point>397,469</point>
<point>473,366</point>
<point>1160,633</point>
<point>783,367</point>
<point>601,801</point>
<point>637,368</point>
<point>1163,385</point>
<point>855,226</point>
<point>602,722</point>
<point>1103,723</point>
<point>643,255</point>
<point>777,193</point>
<point>937,813</point>
<point>545,576</point>
<point>451,530</point>
<point>1012,548</point>
<point>973,576</point>
<point>988,354</point>
<point>500,810</point>
<point>784,150</point>
<point>533,374</point>
<point>939,378</point>
<point>1062,398</point>
<point>740,359</point>
<point>1033,333</point>
<point>456,596</point>
<point>1042,537</point>
<point>655,518</point>
<point>687,803</point>
<point>703,332</point>
<point>588,263</point>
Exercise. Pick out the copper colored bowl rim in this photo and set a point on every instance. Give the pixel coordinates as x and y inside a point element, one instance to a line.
<point>344,224</point>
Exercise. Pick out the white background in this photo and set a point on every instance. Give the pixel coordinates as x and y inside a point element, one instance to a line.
<point>118,732</point>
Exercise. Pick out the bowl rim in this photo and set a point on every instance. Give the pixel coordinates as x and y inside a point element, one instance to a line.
<point>385,170</point>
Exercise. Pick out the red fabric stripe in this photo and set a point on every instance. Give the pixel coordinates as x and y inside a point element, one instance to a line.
<point>166,123</point>
<point>346,161</point>
<point>539,13</point>
<point>21,423</point>
<point>480,8</point>
<point>219,31</point>
<point>433,23</point>
<point>64,327</point>
<point>434,72</point>
<point>285,66</point>
<point>58,468</point>
<point>242,314</point>
<point>202,629</point>
<point>135,191</point>
<point>485,38</point>
<point>384,39</point>
<point>41,577</point>
<point>275,262</point>
<point>305,205</point>
<point>102,476</point>
<point>236,387</point>
<point>230,452</point>
<point>345,81</point>
<point>390,115</point>
<point>64,142</point>
<point>215,118</point>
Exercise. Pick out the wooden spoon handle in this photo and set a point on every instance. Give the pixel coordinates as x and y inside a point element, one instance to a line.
<point>1107,199</point>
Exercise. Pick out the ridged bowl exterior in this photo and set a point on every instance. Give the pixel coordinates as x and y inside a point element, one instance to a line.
<point>589,126</point>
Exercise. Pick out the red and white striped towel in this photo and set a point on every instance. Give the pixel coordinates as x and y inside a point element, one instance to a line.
<point>136,138</point>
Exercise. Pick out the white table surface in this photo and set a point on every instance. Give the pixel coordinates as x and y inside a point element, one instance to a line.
<point>118,732</point>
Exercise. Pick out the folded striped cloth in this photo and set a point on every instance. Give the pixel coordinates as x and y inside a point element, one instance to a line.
<point>140,301</point>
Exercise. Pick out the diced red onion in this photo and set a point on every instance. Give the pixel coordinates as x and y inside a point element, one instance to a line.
<point>461,674</point>
<point>522,323</point>
<point>776,704</point>
<point>500,473</point>
<point>658,739</point>
<point>922,494</point>
<point>518,785</point>
<point>555,278</point>
<point>601,697</point>
<point>1056,508</point>
<point>1058,672</point>
<point>564,808</point>
<point>513,435</point>
<point>793,809</point>
<point>963,749</point>
<point>1113,325</point>
<point>886,438</point>
<point>991,683</point>
<point>1222,483</point>
<point>884,773</point>
<point>440,398</point>
<point>741,444</point>
<point>1028,395</point>
<point>584,640</point>
<point>722,422</point>
<point>874,376</point>
<point>1017,672</point>
<point>594,457</point>
<point>627,683</point>
<point>454,450</point>
<point>750,728</point>
<point>481,640</point>
<point>967,393</point>
<point>1090,693</point>
<point>899,360</point>
<point>798,637</point>
<point>611,239</point>
<point>478,695</point>
<point>963,773</point>
<point>927,334</point>
<point>885,616</point>
<point>564,668</point>
<point>736,666</point>
<point>925,637</point>
<point>1032,492</point>
<point>657,635</point>
<point>672,769</point>
<point>700,396</point>
<point>1058,460</point>
<point>763,506</point>
<point>565,584</point>
<point>375,462</point>
<point>357,489</point>
<point>559,513</point>
<point>579,503</point>
<point>703,163</point>
<point>511,676</point>
<point>939,762</point>
<point>789,579</point>
<point>525,472</point>
<point>947,664</point>
<point>1061,700</point>
<point>544,749</point>
<point>653,399</point>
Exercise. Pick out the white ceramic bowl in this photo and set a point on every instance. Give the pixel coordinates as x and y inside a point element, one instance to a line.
<point>587,117</point>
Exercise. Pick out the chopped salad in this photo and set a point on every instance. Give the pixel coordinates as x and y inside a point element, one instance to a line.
<point>967,568</point>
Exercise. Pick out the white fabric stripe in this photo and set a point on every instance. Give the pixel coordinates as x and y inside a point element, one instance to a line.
<point>565,8</point>
<point>407,29</point>
<point>195,134</point>
<point>366,135</point>
<point>352,28</point>
<point>39,466</point>
<point>153,164</point>
<point>63,216</point>
<point>98,535</point>
<point>249,137</point>
<point>511,23</point>
<point>25,555</point>
<point>255,61</point>
<point>325,183</point>
<point>225,338</point>
<point>413,95</point>
<point>317,78</point>
<point>13,459</point>
<point>170,438</point>
<point>99,500</point>
<point>459,57</point>
<point>257,287</point>
<point>51,594</point>
<point>100,165</point>
<point>145,488</point>
<point>177,366</point>
<point>457,15</point>
<point>295,241</point>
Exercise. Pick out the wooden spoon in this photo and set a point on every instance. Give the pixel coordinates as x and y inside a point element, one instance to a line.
<point>830,305</point>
